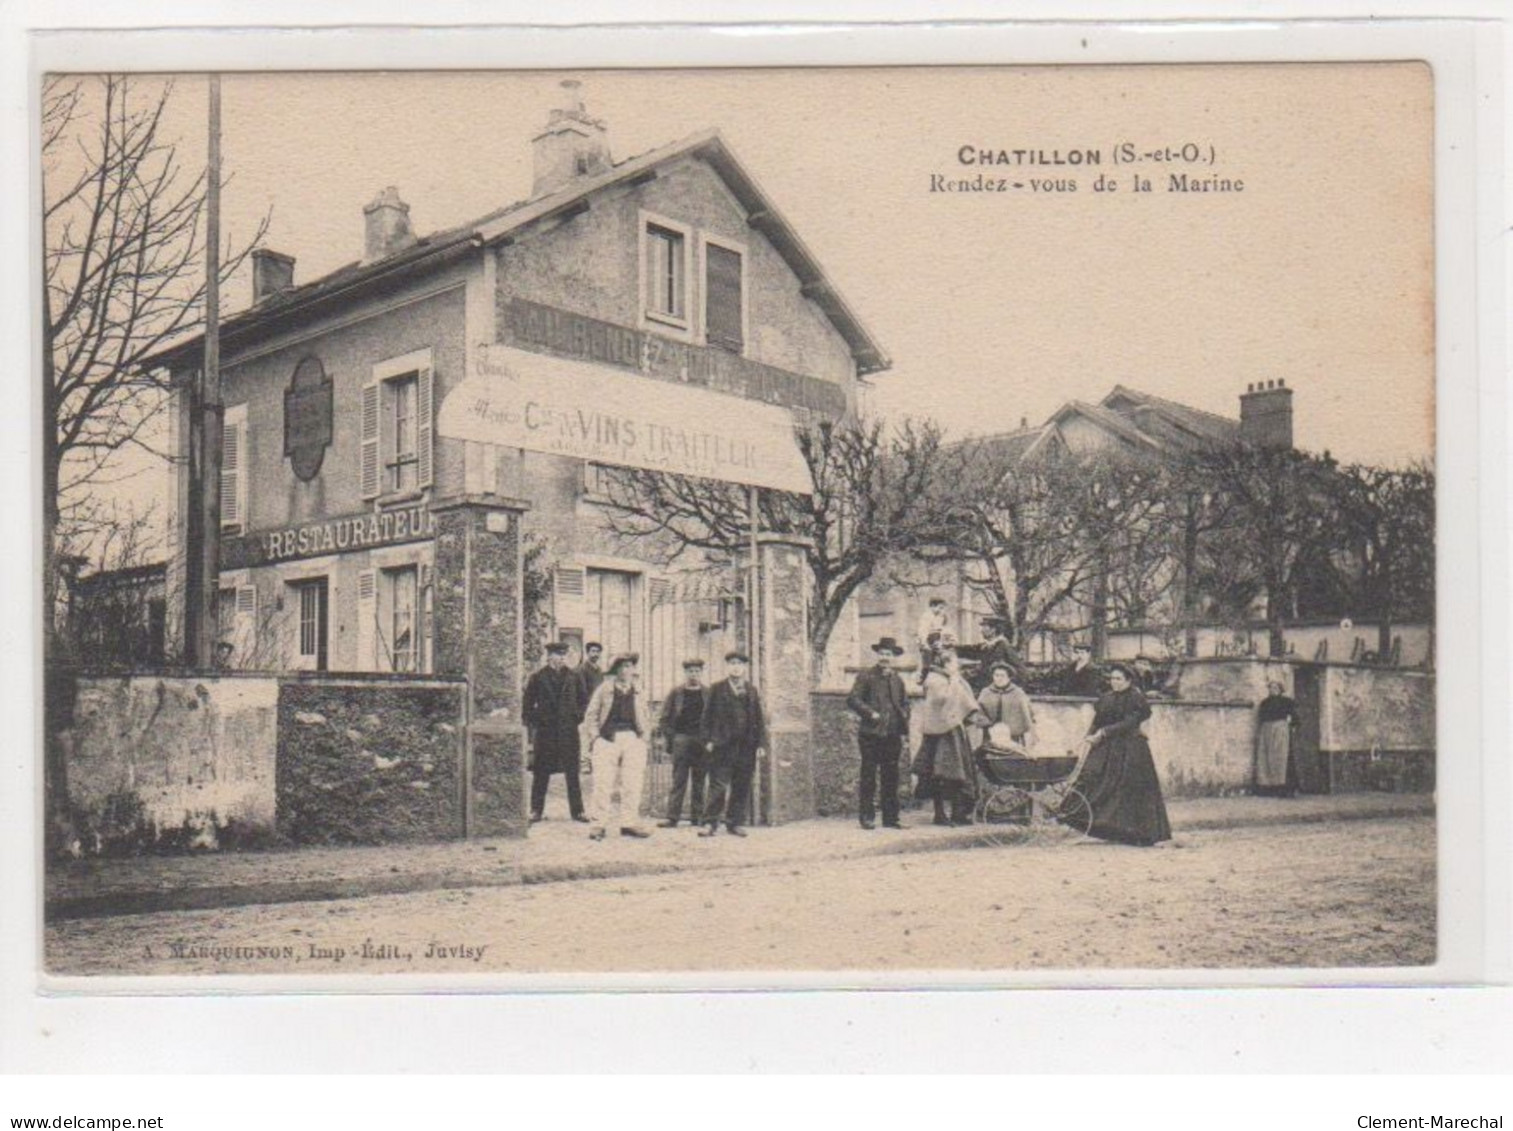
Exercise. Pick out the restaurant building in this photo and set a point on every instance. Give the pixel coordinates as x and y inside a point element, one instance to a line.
<point>401,434</point>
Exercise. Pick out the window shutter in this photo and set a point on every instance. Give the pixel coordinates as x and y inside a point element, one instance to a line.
<point>722,297</point>
<point>233,469</point>
<point>367,619</point>
<point>424,440</point>
<point>244,632</point>
<point>368,475</point>
<point>567,598</point>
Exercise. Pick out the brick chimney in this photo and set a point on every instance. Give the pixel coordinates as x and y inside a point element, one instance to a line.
<point>1266,414</point>
<point>386,226</point>
<point>572,145</point>
<point>272,272</point>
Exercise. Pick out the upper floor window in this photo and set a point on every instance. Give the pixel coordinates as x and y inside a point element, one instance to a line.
<point>665,250</point>
<point>400,466</point>
<point>397,426</point>
<point>724,295</point>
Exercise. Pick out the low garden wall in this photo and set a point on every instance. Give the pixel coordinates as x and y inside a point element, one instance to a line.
<point>1375,725</point>
<point>1201,749</point>
<point>370,760</point>
<point>166,763</point>
<point>158,763</point>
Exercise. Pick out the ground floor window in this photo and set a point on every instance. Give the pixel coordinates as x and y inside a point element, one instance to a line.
<point>312,605</point>
<point>402,587</point>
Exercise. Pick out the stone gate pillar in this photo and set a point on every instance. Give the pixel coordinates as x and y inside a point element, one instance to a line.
<point>784,678</point>
<point>477,616</point>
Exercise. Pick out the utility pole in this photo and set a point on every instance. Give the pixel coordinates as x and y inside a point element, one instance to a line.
<point>212,417</point>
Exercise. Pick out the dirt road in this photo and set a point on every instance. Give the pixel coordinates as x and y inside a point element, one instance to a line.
<point>1360,893</point>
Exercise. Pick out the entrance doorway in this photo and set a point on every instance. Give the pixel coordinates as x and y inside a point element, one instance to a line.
<point>610,611</point>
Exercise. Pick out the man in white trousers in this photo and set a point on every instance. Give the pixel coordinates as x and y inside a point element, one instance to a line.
<point>615,727</point>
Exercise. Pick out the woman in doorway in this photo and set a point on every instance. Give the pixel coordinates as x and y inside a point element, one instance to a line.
<point>943,766</point>
<point>1276,722</point>
<point>1118,775</point>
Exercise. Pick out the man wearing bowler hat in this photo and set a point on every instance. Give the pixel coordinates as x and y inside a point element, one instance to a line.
<point>682,716</point>
<point>733,730</point>
<point>553,708</point>
<point>880,702</point>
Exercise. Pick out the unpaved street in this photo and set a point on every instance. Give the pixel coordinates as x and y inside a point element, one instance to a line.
<point>1357,893</point>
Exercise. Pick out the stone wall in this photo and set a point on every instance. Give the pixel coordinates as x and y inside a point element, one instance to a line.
<point>1240,679</point>
<point>1201,749</point>
<point>1376,708</point>
<point>369,761</point>
<point>159,763</point>
<point>1375,725</point>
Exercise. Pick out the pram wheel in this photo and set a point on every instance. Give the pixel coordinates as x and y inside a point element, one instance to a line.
<point>1072,812</point>
<point>1004,814</point>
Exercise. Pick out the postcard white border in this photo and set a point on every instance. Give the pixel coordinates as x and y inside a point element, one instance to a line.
<point>1473,802</point>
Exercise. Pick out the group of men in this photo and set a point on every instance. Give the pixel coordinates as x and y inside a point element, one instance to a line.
<point>713,733</point>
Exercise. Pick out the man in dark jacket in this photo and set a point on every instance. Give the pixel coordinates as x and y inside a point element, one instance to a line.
<point>682,717</point>
<point>591,671</point>
<point>994,649</point>
<point>733,730</point>
<point>553,708</point>
<point>879,700</point>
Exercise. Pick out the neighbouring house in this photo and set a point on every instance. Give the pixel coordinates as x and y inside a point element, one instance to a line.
<point>1130,423</point>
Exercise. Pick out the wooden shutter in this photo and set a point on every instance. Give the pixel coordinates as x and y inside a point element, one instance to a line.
<point>367,619</point>
<point>234,469</point>
<point>368,475</point>
<point>244,631</point>
<point>424,440</point>
<point>722,297</point>
<point>567,598</point>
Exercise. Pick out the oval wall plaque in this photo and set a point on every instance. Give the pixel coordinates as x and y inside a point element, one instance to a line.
<point>307,418</point>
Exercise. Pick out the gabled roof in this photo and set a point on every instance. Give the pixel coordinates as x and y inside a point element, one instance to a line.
<point>1180,420</point>
<point>500,225</point>
<point>1117,423</point>
<point>1007,446</point>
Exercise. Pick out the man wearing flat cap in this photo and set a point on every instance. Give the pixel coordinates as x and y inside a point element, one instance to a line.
<point>553,708</point>
<point>733,730</point>
<point>682,716</point>
<point>881,704</point>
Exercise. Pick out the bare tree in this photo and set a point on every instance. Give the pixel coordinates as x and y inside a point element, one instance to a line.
<point>123,274</point>
<point>1057,537</point>
<point>1279,508</point>
<point>875,493</point>
<point>1388,521</point>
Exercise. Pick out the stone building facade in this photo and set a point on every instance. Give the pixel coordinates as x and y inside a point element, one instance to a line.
<point>360,535</point>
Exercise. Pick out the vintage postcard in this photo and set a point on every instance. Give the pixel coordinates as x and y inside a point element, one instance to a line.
<point>969,521</point>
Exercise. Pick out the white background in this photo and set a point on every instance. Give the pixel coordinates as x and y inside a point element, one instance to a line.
<point>1299,1029</point>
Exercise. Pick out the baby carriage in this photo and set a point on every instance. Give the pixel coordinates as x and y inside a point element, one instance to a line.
<point>1020,793</point>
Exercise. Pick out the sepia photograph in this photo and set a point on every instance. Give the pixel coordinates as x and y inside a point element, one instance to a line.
<point>738,522</point>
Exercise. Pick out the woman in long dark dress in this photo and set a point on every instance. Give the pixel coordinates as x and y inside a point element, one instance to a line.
<point>1118,776</point>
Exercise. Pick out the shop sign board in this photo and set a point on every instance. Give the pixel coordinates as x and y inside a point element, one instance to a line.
<point>570,408</point>
<point>366,531</point>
